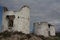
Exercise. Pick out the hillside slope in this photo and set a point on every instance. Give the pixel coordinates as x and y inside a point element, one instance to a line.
<point>21,36</point>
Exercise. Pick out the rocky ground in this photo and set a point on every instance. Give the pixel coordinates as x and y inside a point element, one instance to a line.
<point>21,36</point>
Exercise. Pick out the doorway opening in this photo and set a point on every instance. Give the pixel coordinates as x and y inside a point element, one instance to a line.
<point>10,19</point>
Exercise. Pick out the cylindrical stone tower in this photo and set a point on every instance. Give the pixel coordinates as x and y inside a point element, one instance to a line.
<point>41,29</point>
<point>22,20</point>
<point>17,21</point>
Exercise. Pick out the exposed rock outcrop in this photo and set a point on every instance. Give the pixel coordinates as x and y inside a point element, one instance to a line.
<point>22,36</point>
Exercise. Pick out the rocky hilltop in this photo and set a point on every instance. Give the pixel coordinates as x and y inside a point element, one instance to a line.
<point>21,36</point>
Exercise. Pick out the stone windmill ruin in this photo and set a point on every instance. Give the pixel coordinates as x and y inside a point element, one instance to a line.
<point>20,21</point>
<point>17,21</point>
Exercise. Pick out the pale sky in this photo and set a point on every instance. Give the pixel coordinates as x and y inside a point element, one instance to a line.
<point>41,10</point>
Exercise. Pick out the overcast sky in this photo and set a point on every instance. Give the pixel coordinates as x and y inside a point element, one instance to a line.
<point>41,10</point>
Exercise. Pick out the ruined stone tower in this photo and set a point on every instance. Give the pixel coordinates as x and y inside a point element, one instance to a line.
<point>17,21</point>
<point>44,29</point>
